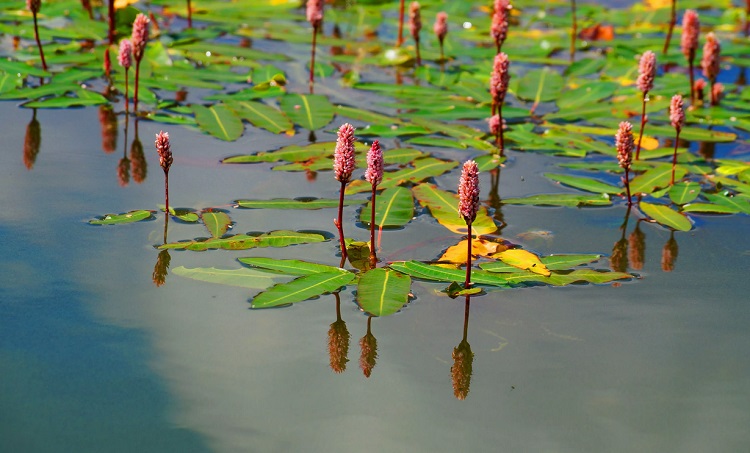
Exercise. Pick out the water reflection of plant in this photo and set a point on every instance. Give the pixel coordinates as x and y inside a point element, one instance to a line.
<point>338,340</point>
<point>369,347</point>
<point>32,141</point>
<point>463,360</point>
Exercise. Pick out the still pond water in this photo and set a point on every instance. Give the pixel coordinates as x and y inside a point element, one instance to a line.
<point>95,357</point>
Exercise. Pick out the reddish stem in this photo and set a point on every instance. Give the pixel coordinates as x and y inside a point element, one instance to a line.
<point>312,59</point>
<point>419,58</point>
<point>467,283</point>
<point>39,43</point>
<point>135,95</point>
<point>692,76</point>
<point>400,25</point>
<point>166,201</point>
<point>574,31</point>
<point>111,12</point>
<point>627,184</point>
<point>373,256</point>
<point>189,14</point>
<point>643,125</point>
<point>340,226</point>
<point>674,156</point>
<point>127,103</point>
<point>672,21</point>
<point>500,138</point>
<point>714,98</point>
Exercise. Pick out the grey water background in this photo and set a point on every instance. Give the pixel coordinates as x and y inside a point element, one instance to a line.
<point>95,357</point>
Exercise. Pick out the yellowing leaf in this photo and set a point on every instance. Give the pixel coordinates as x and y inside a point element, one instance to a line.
<point>119,4</point>
<point>479,247</point>
<point>658,4</point>
<point>649,143</point>
<point>523,259</point>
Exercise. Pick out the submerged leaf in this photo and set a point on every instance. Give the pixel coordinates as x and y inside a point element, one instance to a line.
<point>281,238</point>
<point>302,288</point>
<point>243,277</point>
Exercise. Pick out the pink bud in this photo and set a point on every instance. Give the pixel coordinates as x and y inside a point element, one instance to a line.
<point>441,26</point>
<point>646,71</point>
<point>374,173</point>
<point>494,124</point>
<point>710,61</point>
<point>140,35</point>
<point>164,150</point>
<point>625,144</point>
<point>34,5</point>
<point>677,112</point>
<point>500,78</point>
<point>468,192</point>
<point>126,53</point>
<point>499,29</point>
<point>415,20</point>
<point>315,12</point>
<point>691,28</point>
<point>343,156</point>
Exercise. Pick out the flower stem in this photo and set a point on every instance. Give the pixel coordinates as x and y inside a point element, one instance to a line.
<point>672,22</point>
<point>643,125</point>
<point>500,138</point>
<point>627,184</point>
<point>467,283</point>
<point>692,76</point>
<point>312,59</point>
<point>373,256</point>
<point>674,156</point>
<point>574,32</point>
<point>111,13</point>
<point>400,25</point>
<point>39,43</point>
<point>127,103</point>
<point>419,58</point>
<point>189,15</point>
<point>135,95</point>
<point>340,226</point>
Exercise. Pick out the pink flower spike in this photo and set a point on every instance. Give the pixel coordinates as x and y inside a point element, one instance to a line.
<point>415,20</point>
<point>468,192</point>
<point>374,173</point>
<point>500,78</point>
<point>164,150</point>
<point>646,72</point>
<point>126,53</point>
<point>499,28</point>
<point>677,112</point>
<point>625,144</point>
<point>441,26</point>
<point>315,12</point>
<point>494,124</point>
<point>140,35</point>
<point>710,61</point>
<point>343,156</point>
<point>690,30</point>
<point>34,5</point>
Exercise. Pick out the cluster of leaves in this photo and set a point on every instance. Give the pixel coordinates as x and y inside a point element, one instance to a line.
<point>553,107</point>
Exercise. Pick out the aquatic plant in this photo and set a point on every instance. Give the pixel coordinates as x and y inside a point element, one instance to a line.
<point>369,347</point>
<point>34,6</point>
<point>573,31</point>
<point>710,64</point>
<point>677,119</point>
<point>315,17</point>
<point>468,205</point>
<point>343,166</point>
<point>32,142</point>
<point>499,27</point>
<point>415,26</point>
<point>138,42</point>
<point>111,22</point>
<point>338,341</point>
<point>499,81</point>
<point>374,175</point>
<point>463,360</point>
<point>672,22</point>
<point>124,58</point>
<point>164,150</point>
<point>624,145</point>
<point>441,30</point>
<point>689,45</point>
<point>645,82</point>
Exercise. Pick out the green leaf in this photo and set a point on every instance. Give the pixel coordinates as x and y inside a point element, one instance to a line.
<point>83,98</point>
<point>540,85</point>
<point>280,238</point>
<point>185,214</point>
<point>588,184</point>
<point>553,263</point>
<point>438,273</point>
<point>297,203</point>
<point>437,141</point>
<point>243,277</point>
<point>217,222</point>
<point>291,153</point>
<point>394,207</point>
<point>218,121</point>
<point>666,216</point>
<point>311,111</point>
<point>684,192</point>
<point>737,203</point>
<point>289,267</point>
<point>562,199</point>
<point>429,167</point>
<point>128,217</point>
<point>382,292</point>
<point>366,116</point>
<point>709,208</point>
<point>655,178</point>
<point>454,290</point>
<point>443,206</point>
<point>302,288</point>
<point>587,94</point>
<point>262,116</point>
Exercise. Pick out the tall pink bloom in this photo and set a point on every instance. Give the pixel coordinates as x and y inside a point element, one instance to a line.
<point>499,28</point>
<point>441,26</point>
<point>164,150</point>
<point>34,5</point>
<point>676,112</point>
<point>315,12</point>
<point>343,156</point>
<point>415,26</point>
<point>500,78</point>
<point>140,36</point>
<point>710,63</point>
<point>468,192</point>
<point>624,145</point>
<point>124,57</point>
<point>690,31</point>
<point>374,173</point>
<point>646,72</point>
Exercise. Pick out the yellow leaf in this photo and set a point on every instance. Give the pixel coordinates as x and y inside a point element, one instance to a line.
<point>658,4</point>
<point>119,4</point>
<point>479,247</point>
<point>523,259</point>
<point>649,143</point>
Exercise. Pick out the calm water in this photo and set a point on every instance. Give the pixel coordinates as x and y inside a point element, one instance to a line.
<point>95,357</point>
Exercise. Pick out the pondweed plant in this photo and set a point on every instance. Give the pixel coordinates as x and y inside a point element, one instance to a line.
<point>499,81</point>
<point>343,166</point>
<point>315,17</point>
<point>689,45</point>
<point>374,175</point>
<point>624,145</point>
<point>677,118</point>
<point>710,65</point>
<point>441,30</point>
<point>124,58</point>
<point>468,206</point>
<point>415,27</point>
<point>645,83</point>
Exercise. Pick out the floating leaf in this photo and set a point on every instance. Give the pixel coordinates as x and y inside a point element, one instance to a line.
<point>128,217</point>
<point>393,208</point>
<point>311,111</point>
<point>428,167</point>
<point>217,222</point>
<point>185,214</point>
<point>588,184</point>
<point>262,115</point>
<point>709,208</point>
<point>219,121</point>
<point>243,277</point>
<point>437,141</point>
<point>563,278</point>
<point>523,259</point>
<point>553,262</point>
<point>684,192</point>
<point>562,199</point>
<point>666,216</point>
<point>382,292</point>
<point>291,153</point>
<point>741,205</point>
<point>440,273</point>
<point>302,288</point>
<point>281,238</point>
<point>454,290</point>
<point>540,85</point>
<point>443,206</point>
<point>655,178</point>
<point>479,247</point>
<point>289,267</point>
<point>297,203</point>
